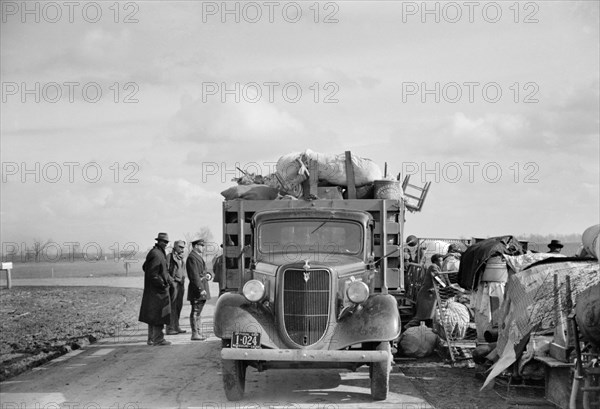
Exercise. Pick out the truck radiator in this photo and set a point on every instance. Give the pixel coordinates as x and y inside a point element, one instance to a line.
<point>305,304</point>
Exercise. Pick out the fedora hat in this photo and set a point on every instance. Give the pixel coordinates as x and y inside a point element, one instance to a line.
<point>163,237</point>
<point>555,244</point>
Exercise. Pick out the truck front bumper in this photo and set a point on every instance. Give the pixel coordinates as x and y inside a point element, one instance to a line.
<point>303,355</point>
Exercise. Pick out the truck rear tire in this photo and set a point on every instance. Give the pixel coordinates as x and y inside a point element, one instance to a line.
<point>380,373</point>
<point>234,379</point>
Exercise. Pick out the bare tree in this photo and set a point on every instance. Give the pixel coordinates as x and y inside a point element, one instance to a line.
<point>202,233</point>
<point>38,247</point>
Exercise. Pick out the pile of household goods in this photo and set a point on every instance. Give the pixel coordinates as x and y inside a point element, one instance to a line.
<point>334,174</point>
<point>539,293</point>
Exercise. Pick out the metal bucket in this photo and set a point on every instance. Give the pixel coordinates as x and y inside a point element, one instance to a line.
<point>495,270</point>
<point>388,189</point>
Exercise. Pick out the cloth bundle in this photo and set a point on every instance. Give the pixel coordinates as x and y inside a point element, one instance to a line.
<point>293,168</point>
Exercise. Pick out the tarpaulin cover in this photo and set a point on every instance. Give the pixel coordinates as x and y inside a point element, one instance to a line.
<point>476,256</point>
<point>519,263</point>
<point>529,304</point>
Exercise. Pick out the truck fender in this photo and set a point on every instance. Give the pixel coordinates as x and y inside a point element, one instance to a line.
<point>376,320</point>
<point>234,313</point>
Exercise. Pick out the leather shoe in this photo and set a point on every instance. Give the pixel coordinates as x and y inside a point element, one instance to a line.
<point>172,332</point>
<point>163,342</point>
<point>181,331</point>
<point>198,337</point>
<point>150,342</point>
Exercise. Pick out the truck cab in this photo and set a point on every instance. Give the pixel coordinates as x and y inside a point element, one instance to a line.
<point>310,284</point>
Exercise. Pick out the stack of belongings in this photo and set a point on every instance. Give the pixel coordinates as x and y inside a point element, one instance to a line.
<point>483,271</point>
<point>533,302</point>
<point>293,169</point>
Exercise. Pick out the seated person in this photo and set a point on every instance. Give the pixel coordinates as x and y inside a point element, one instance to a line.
<point>435,269</point>
<point>451,259</point>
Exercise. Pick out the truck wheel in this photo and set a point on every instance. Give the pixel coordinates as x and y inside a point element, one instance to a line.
<point>234,378</point>
<point>379,373</point>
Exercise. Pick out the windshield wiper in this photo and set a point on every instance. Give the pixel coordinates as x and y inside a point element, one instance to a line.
<point>321,225</point>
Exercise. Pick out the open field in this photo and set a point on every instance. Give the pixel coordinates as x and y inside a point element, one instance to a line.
<point>78,268</point>
<point>41,323</point>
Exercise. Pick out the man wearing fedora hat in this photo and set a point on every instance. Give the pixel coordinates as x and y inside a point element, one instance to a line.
<point>156,302</point>
<point>555,246</point>
<point>198,291</point>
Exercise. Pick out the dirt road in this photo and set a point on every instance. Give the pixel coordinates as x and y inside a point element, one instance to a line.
<point>125,373</point>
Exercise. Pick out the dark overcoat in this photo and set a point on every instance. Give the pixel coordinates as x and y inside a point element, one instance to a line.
<point>156,302</point>
<point>217,269</point>
<point>426,299</point>
<point>196,271</point>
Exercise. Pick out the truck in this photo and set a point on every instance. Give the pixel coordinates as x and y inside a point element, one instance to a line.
<point>310,284</point>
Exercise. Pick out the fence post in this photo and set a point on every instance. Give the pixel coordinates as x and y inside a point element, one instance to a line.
<point>7,267</point>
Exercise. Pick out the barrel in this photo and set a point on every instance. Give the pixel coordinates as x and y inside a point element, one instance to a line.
<point>388,189</point>
<point>495,270</point>
<point>590,240</point>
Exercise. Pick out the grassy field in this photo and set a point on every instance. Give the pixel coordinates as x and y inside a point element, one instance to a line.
<point>78,268</point>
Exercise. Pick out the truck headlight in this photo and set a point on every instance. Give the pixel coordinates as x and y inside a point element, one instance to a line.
<point>254,290</point>
<point>357,292</point>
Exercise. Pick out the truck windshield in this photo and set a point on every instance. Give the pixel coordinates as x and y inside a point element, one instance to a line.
<point>310,237</point>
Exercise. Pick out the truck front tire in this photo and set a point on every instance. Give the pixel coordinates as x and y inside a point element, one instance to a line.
<point>380,373</point>
<point>234,379</point>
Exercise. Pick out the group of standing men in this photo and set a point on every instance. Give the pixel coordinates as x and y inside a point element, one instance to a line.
<point>164,287</point>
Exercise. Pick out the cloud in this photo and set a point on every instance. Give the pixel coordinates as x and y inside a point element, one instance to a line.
<point>192,193</point>
<point>76,204</point>
<point>218,122</point>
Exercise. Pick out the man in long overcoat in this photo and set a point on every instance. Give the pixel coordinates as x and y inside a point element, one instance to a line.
<point>218,276</point>
<point>176,271</point>
<point>156,302</point>
<point>198,291</point>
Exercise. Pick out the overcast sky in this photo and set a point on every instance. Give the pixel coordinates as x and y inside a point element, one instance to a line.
<point>496,103</point>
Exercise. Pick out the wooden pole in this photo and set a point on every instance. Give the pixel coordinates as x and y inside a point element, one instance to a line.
<point>350,176</point>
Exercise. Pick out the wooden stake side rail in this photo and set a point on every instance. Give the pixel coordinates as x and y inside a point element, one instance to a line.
<point>388,228</point>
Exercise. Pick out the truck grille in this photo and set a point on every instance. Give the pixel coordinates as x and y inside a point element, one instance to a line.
<point>305,305</point>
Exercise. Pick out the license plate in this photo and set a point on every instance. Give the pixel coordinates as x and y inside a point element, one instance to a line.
<point>246,340</point>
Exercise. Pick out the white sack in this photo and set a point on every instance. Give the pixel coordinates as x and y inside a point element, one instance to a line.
<point>332,168</point>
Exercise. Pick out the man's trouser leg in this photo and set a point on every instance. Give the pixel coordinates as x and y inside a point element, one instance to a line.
<point>177,306</point>
<point>197,306</point>
<point>157,334</point>
<point>172,327</point>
